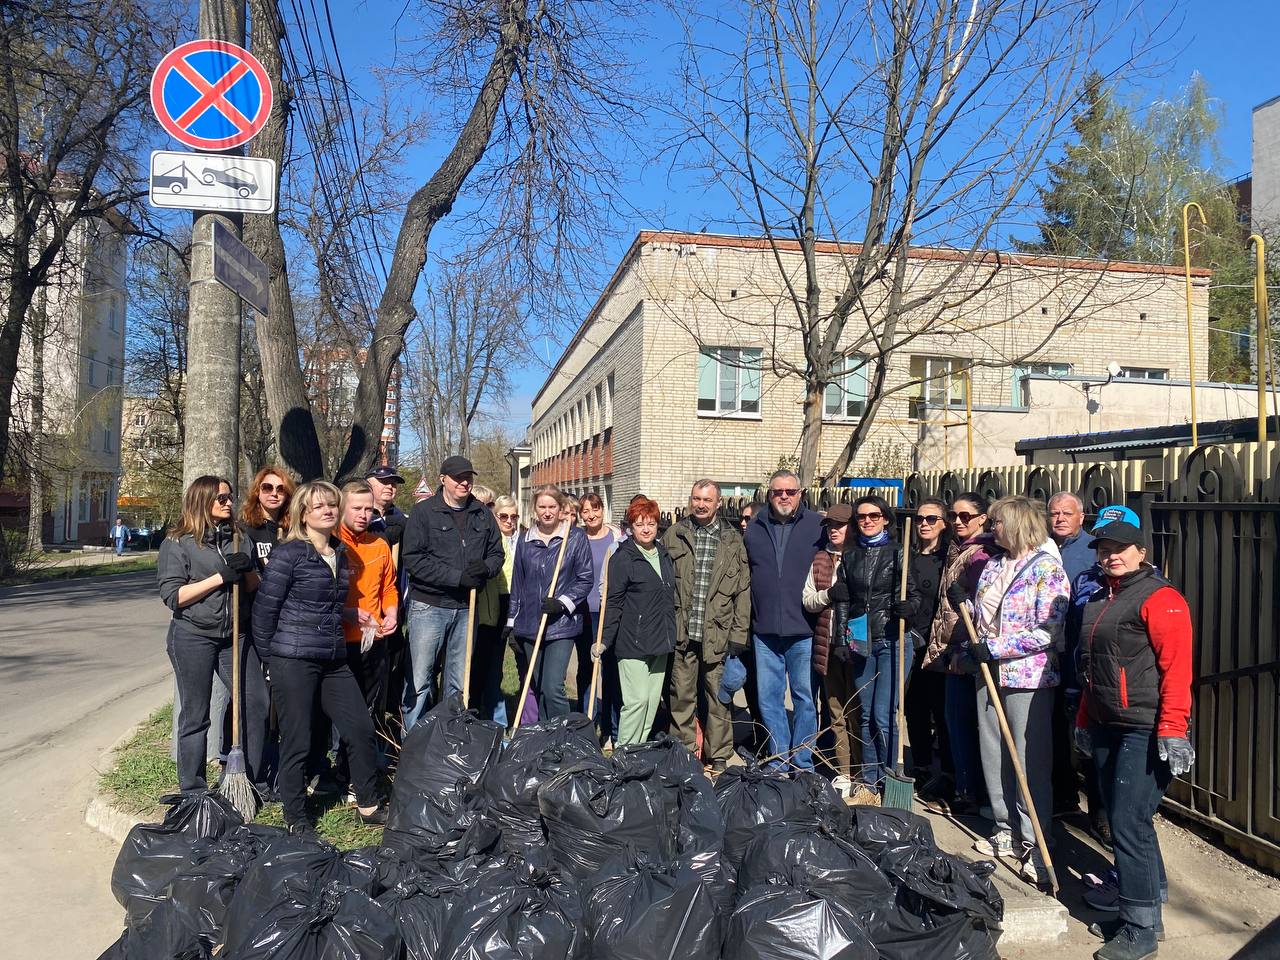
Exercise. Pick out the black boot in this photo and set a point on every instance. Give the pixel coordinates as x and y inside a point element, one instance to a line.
<point>1129,943</point>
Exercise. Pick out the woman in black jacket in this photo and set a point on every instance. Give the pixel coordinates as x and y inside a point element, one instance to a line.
<point>640,620</point>
<point>871,569</point>
<point>926,689</point>
<point>196,569</point>
<point>297,625</point>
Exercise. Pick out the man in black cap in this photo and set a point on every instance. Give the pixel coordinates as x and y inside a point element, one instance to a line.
<point>451,547</point>
<point>390,522</point>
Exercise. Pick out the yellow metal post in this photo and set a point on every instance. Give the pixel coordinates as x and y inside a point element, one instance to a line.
<point>1191,338</point>
<point>1264,330</point>
<point>968,415</point>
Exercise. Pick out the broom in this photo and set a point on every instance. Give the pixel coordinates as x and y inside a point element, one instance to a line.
<point>235,785</point>
<point>899,790</point>
<point>595,667</point>
<point>542,628</point>
<point>466,664</point>
<point>994,696</point>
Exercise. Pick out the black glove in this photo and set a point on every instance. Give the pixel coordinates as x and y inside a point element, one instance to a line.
<point>509,636</point>
<point>957,594</point>
<point>474,576</point>
<point>842,653</point>
<point>553,609</point>
<point>838,592</point>
<point>738,650</point>
<point>903,609</point>
<point>980,652</point>
<point>234,567</point>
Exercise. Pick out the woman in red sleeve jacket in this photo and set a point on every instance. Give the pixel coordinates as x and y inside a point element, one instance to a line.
<point>1135,648</point>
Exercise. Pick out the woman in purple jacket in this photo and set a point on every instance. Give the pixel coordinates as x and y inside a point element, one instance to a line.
<point>532,596</point>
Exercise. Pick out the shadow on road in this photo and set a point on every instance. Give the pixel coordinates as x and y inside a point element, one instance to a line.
<point>109,587</point>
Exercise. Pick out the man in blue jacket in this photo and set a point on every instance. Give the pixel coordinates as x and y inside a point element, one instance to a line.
<point>781,542</point>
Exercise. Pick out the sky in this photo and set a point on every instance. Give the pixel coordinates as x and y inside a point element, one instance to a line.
<point>1232,43</point>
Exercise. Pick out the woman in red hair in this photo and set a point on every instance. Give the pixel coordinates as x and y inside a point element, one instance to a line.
<point>640,620</point>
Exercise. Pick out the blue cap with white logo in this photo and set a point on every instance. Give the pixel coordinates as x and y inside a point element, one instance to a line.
<point>1117,511</point>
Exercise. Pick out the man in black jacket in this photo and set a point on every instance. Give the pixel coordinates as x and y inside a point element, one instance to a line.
<point>451,548</point>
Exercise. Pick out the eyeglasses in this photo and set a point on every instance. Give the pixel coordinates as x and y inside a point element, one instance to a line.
<point>464,478</point>
<point>929,518</point>
<point>224,498</point>
<point>508,516</point>
<point>784,492</point>
<point>964,516</point>
<point>874,515</point>
<point>272,488</point>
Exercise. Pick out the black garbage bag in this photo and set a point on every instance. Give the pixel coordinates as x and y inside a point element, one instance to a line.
<point>901,934</point>
<point>699,822</point>
<point>749,796</point>
<point>446,827</point>
<point>592,814</point>
<point>202,890</point>
<point>803,849</point>
<point>292,859</point>
<point>158,934</point>
<point>875,828</point>
<point>420,904</point>
<point>315,919</point>
<point>635,909</point>
<point>779,921</point>
<point>518,912</point>
<point>536,754</point>
<point>153,852</point>
<point>448,746</point>
<point>937,883</point>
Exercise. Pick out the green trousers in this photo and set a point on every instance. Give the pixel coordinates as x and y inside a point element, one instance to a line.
<point>641,681</point>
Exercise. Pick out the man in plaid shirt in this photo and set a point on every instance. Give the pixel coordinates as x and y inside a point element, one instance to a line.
<point>713,616</point>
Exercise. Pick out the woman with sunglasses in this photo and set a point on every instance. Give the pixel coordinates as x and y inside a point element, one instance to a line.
<point>298,626</point>
<point>602,538</point>
<point>926,689</point>
<point>196,569</point>
<point>970,549</point>
<point>871,571</point>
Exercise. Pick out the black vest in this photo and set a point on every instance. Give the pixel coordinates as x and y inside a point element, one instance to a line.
<point>1117,659</point>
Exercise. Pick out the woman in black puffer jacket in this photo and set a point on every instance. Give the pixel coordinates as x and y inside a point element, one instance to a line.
<point>870,568</point>
<point>297,626</point>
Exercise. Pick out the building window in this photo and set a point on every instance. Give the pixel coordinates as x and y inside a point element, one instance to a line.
<point>729,380</point>
<point>747,489</point>
<point>111,369</point>
<point>85,499</point>
<point>139,419</point>
<point>1144,373</point>
<point>113,317</point>
<point>91,363</point>
<point>1017,398</point>
<point>106,439</point>
<point>940,382</point>
<point>846,395</point>
<point>608,401</point>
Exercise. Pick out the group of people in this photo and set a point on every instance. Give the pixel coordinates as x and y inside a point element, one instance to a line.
<point>361,615</point>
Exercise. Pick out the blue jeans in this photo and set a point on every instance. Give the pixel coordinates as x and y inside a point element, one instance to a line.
<point>874,680</point>
<point>783,662</point>
<point>432,629</point>
<point>961,707</point>
<point>549,675</point>
<point>1133,780</point>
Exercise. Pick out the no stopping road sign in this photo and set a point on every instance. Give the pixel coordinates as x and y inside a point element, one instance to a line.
<point>211,95</point>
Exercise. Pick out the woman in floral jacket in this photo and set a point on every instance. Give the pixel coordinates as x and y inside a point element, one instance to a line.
<point>1020,609</point>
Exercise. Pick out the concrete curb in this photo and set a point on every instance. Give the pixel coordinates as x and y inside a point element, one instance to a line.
<point>101,814</point>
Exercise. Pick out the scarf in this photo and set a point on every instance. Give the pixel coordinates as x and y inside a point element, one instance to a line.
<point>879,538</point>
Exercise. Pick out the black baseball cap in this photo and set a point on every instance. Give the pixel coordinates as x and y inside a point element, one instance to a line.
<point>384,474</point>
<point>456,467</point>
<point>1118,531</point>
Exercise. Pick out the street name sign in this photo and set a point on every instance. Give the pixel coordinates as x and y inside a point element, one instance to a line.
<point>211,95</point>
<point>235,267</point>
<point>210,181</point>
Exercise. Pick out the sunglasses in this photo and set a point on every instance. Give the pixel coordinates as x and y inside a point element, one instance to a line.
<point>272,488</point>
<point>224,498</point>
<point>929,518</point>
<point>875,515</point>
<point>508,516</point>
<point>785,492</point>
<point>964,516</point>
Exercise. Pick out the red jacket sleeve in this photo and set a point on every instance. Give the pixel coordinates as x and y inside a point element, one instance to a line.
<point>1168,623</point>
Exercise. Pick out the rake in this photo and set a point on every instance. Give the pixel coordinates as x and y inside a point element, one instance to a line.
<point>899,789</point>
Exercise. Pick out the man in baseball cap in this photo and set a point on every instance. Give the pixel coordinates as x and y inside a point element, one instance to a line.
<point>389,523</point>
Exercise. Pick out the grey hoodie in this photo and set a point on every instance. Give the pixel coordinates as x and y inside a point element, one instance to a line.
<point>185,561</point>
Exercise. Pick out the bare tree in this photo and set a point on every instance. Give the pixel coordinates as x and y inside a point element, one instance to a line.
<point>462,359</point>
<point>849,132</point>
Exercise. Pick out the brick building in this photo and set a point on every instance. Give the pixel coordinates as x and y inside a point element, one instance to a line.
<point>674,373</point>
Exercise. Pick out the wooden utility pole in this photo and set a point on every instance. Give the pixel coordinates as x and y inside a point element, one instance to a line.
<point>213,324</point>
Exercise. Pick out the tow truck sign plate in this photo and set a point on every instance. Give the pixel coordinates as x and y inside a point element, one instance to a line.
<point>206,181</point>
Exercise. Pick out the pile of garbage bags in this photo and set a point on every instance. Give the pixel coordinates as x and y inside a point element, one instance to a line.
<point>545,849</point>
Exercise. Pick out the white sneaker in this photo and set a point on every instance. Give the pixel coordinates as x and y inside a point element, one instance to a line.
<point>1033,869</point>
<point>843,786</point>
<point>1000,845</point>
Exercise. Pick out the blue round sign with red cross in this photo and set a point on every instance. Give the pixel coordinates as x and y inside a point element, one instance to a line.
<point>211,95</point>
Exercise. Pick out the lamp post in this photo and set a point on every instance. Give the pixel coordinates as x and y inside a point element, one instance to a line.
<point>1262,349</point>
<point>1191,339</point>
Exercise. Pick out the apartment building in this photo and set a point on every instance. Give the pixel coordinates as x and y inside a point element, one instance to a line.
<point>332,377</point>
<point>681,368</point>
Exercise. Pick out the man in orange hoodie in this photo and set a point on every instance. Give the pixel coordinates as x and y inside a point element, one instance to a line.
<point>372,604</point>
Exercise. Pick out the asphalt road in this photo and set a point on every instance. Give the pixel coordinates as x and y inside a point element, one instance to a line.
<point>80,663</point>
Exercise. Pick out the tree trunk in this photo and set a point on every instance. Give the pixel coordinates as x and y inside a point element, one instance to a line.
<point>811,433</point>
<point>35,485</point>
<point>292,421</point>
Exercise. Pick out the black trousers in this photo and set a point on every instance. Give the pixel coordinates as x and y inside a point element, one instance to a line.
<point>297,686</point>
<point>195,659</point>
<point>925,708</point>
<point>370,671</point>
